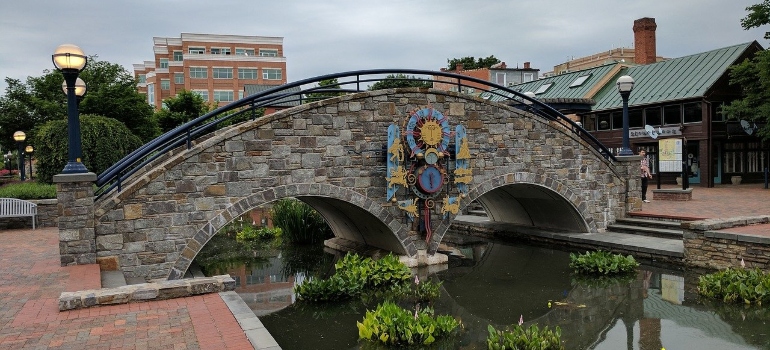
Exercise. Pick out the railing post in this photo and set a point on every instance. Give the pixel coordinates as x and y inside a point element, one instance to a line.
<point>189,142</point>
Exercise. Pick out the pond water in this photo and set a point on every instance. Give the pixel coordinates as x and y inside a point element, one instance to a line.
<point>499,283</point>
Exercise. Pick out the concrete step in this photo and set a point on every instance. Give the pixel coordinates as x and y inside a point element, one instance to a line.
<point>113,279</point>
<point>664,224</point>
<point>646,231</point>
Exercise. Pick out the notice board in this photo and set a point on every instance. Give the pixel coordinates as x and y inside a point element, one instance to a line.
<point>670,155</point>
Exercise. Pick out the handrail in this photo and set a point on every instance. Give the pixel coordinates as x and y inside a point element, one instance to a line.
<point>185,133</point>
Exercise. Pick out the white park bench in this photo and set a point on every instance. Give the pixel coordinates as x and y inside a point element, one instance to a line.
<point>12,207</point>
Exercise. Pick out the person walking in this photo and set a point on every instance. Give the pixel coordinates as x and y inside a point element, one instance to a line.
<point>644,166</point>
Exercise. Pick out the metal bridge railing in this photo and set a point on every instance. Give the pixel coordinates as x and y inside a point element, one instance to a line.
<point>351,82</point>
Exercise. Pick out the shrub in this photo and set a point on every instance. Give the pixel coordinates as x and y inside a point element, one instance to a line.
<point>300,223</point>
<point>28,190</point>
<point>518,337</point>
<point>736,285</point>
<point>105,141</point>
<point>602,263</point>
<point>252,233</point>
<point>393,325</point>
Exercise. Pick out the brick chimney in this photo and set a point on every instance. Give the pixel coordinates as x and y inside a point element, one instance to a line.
<point>526,65</point>
<point>458,67</point>
<point>644,41</point>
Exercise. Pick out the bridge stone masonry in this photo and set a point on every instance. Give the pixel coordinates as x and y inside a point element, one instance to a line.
<point>527,170</point>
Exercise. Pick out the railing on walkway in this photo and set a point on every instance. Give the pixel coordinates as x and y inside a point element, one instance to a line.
<point>298,92</point>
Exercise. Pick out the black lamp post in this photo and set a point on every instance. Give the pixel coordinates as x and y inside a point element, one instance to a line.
<point>70,60</point>
<point>29,150</point>
<point>625,85</point>
<point>20,136</point>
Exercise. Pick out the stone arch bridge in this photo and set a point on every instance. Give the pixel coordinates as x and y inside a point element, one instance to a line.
<point>527,169</point>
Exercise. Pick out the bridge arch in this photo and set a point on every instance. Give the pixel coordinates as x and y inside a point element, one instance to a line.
<point>329,154</point>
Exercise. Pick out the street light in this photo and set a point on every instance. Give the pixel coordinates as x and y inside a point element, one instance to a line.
<point>20,136</point>
<point>29,150</point>
<point>80,87</point>
<point>625,85</point>
<point>70,60</point>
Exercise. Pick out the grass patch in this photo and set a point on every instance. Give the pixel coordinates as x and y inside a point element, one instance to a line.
<point>602,263</point>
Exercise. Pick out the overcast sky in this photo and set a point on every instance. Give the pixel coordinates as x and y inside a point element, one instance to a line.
<point>331,36</point>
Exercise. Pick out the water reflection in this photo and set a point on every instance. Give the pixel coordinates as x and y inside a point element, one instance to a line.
<point>494,283</point>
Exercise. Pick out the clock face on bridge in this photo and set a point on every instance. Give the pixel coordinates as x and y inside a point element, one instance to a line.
<point>430,179</point>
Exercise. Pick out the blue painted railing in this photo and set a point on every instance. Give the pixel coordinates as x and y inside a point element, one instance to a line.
<point>348,82</point>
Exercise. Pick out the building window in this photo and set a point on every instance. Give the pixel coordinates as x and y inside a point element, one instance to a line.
<point>196,50</point>
<point>203,94</point>
<point>756,157</point>
<point>271,74</point>
<point>716,111</point>
<point>692,113</point>
<point>142,78</point>
<point>543,88</point>
<point>247,73</point>
<point>199,72</point>
<point>635,118</point>
<point>244,52</point>
<point>240,95</point>
<point>165,84</point>
<point>164,63</point>
<point>268,52</point>
<point>580,80</point>
<point>732,161</point>
<point>220,51</point>
<point>222,73</point>
<point>223,96</point>
<point>652,116</point>
<point>500,78</point>
<point>617,120</point>
<point>589,122</point>
<point>178,78</point>
<point>178,56</point>
<point>603,121</point>
<point>672,114</point>
<point>151,94</point>
<point>528,77</point>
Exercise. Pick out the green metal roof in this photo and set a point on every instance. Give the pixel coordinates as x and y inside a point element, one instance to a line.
<point>680,78</point>
<point>561,84</point>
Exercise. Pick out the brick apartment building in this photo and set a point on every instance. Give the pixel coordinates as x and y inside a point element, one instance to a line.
<point>498,73</point>
<point>643,52</point>
<point>217,67</point>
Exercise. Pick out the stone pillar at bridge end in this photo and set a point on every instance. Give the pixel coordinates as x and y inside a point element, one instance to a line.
<point>75,201</point>
<point>628,168</point>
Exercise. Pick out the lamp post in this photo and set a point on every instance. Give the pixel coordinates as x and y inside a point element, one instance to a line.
<point>20,136</point>
<point>29,149</point>
<point>70,60</point>
<point>625,85</point>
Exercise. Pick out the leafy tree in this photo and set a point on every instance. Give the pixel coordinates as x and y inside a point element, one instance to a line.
<point>111,93</point>
<point>470,62</point>
<point>105,141</point>
<point>753,76</point>
<point>325,84</point>
<point>400,80</point>
<point>183,107</point>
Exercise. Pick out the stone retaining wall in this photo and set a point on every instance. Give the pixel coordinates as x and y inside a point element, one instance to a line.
<point>145,292</point>
<point>47,216</point>
<point>705,246</point>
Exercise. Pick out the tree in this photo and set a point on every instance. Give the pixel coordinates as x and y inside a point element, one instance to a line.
<point>183,107</point>
<point>470,62</point>
<point>111,92</point>
<point>105,141</point>
<point>753,77</point>
<point>400,80</point>
<point>325,84</point>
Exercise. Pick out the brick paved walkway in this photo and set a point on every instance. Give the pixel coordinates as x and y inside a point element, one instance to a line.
<point>31,281</point>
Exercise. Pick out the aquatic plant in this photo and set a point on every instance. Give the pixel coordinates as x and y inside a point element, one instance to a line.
<point>602,263</point>
<point>736,285</point>
<point>300,223</point>
<point>518,337</point>
<point>393,325</point>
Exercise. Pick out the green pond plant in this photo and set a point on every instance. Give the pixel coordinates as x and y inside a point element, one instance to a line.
<point>393,325</point>
<point>749,286</point>
<point>518,337</point>
<point>602,263</point>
